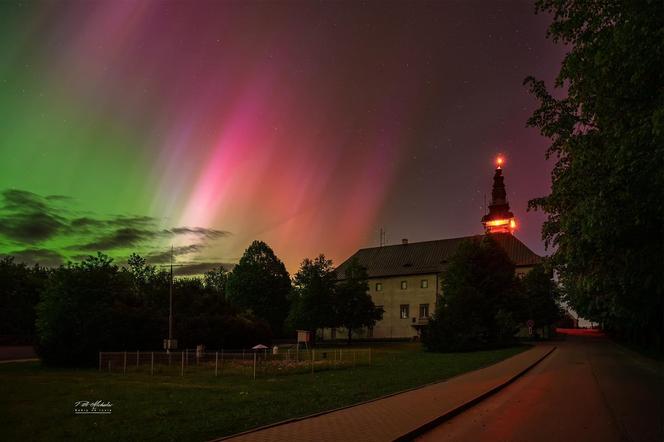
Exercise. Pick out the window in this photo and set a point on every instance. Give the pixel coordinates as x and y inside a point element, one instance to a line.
<point>404,311</point>
<point>424,283</point>
<point>404,285</point>
<point>379,286</point>
<point>424,310</point>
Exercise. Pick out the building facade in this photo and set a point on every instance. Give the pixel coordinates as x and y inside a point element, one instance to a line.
<point>405,279</point>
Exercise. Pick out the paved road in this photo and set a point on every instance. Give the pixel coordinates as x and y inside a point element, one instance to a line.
<point>391,417</point>
<point>589,389</point>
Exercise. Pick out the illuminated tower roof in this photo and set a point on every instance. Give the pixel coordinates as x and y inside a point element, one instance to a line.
<point>499,219</point>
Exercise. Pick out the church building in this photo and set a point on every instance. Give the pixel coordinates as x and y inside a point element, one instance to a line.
<point>404,279</point>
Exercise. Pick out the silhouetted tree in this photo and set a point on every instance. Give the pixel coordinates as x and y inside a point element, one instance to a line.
<point>354,308</point>
<point>94,306</point>
<point>215,280</point>
<point>20,287</point>
<point>481,304</point>
<point>76,316</point>
<point>541,297</point>
<point>605,209</point>
<point>313,295</point>
<point>260,284</point>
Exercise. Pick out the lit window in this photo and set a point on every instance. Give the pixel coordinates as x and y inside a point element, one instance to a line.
<point>404,285</point>
<point>424,283</point>
<point>379,286</point>
<point>424,310</point>
<point>404,311</point>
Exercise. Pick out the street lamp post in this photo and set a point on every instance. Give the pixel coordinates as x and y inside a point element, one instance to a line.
<point>169,343</point>
<point>170,307</point>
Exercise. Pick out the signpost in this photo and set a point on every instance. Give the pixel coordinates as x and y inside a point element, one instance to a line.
<point>530,323</point>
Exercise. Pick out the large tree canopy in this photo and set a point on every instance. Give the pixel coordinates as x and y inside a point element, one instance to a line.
<point>354,308</point>
<point>605,210</point>
<point>481,304</point>
<point>312,300</point>
<point>541,297</point>
<point>261,284</point>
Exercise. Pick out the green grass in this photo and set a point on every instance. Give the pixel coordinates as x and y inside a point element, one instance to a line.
<point>36,403</point>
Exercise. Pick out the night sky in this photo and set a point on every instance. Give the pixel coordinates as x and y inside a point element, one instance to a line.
<point>130,126</point>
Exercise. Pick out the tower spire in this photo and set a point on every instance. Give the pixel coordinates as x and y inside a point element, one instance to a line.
<point>499,219</point>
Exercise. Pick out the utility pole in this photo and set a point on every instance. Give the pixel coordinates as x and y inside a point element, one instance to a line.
<point>170,308</point>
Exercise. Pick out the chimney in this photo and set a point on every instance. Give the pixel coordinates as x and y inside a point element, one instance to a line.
<point>404,241</point>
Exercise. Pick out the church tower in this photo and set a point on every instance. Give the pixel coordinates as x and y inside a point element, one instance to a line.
<point>499,219</point>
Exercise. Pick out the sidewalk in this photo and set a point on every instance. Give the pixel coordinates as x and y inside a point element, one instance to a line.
<point>395,416</point>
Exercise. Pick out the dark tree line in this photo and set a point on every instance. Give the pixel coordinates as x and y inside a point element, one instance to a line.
<point>606,206</point>
<point>483,303</point>
<point>20,286</point>
<point>95,305</point>
<point>72,312</point>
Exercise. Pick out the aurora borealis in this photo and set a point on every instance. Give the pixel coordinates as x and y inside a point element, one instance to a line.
<point>130,126</point>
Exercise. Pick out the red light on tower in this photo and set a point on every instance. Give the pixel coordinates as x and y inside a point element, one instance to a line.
<point>499,219</point>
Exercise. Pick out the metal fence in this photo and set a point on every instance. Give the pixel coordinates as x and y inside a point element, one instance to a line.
<point>246,363</point>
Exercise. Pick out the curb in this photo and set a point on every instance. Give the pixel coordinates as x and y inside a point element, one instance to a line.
<point>11,361</point>
<point>320,413</point>
<point>465,406</point>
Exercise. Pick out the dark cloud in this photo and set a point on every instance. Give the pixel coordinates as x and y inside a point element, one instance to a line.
<point>198,268</point>
<point>124,221</point>
<point>118,239</point>
<point>165,256</point>
<point>28,218</point>
<point>15,199</point>
<point>200,231</point>
<point>43,257</point>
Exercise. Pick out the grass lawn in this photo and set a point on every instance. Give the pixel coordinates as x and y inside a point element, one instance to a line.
<point>36,403</point>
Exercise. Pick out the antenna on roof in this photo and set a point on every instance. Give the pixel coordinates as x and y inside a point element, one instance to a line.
<point>382,237</point>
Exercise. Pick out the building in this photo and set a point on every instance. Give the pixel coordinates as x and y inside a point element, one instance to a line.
<point>404,279</point>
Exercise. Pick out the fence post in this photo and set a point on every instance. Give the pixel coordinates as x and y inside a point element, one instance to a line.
<point>254,366</point>
<point>99,361</point>
<point>182,366</point>
<point>354,357</point>
<point>152,364</point>
<point>313,357</point>
<point>216,362</point>
<point>138,357</point>
<point>369,355</point>
<point>186,351</point>
<point>109,365</point>
<point>222,361</point>
<point>124,366</point>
